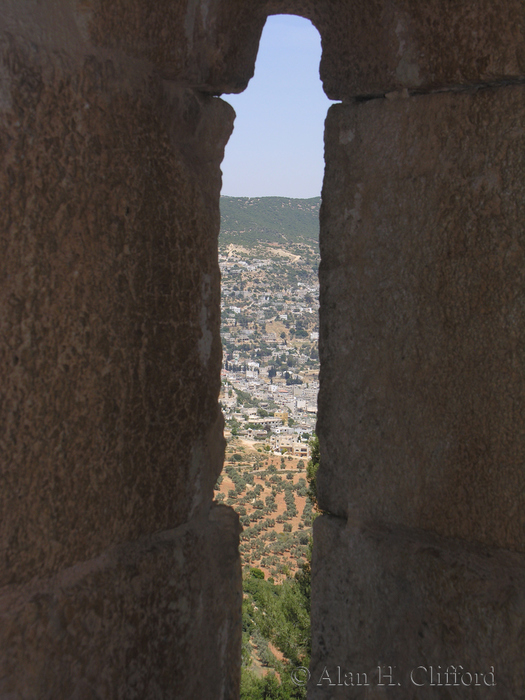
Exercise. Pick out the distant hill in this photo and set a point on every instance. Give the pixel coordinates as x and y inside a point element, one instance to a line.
<point>252,220</point>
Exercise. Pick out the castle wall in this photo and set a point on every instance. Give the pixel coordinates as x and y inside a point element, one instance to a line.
<point>119,579</point>
<point>421,398</point>
<point>419,562</point>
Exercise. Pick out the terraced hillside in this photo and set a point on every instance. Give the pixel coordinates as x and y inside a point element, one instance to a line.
<point>269,493</point>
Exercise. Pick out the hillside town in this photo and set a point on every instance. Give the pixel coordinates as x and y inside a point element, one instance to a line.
<point>269,257</point>
<point>270,333</point>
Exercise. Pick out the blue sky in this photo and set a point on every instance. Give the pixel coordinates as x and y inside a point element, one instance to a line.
<point>277,143</point>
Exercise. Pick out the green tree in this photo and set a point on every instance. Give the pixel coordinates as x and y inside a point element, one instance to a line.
<point>312,469</point>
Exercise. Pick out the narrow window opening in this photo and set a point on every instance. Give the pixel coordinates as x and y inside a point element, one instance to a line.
<point>269,256</point>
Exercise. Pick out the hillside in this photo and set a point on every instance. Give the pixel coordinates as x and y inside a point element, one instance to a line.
<point>251,220</point>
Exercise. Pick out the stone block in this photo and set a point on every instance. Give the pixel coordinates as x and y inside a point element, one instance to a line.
<point>109,305</point>
<point>375,47</point>
<point>208,45</point>
<point>421,325</point>
<point>370,47</point>
<point>156,619</point>
<point>411,604</point>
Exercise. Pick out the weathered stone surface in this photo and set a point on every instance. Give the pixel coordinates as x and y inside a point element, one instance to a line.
<point>422,336</point>
<point>211,45</point>
<point>110,352</point>
<point>369,46</point>
<point>395,597</point>
<point>110,372</point>
<point>377,46</point>
<point>109,307</point>
<point>159,618</point>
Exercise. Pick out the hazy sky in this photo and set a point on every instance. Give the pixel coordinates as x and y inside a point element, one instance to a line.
<point>277,143</point>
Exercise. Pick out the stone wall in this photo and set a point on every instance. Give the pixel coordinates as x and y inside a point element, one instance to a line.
<point>154,618</point>
<point>119,579</point>
<point>396,607</point>
<point>420,564</point>
<point>422,333</point>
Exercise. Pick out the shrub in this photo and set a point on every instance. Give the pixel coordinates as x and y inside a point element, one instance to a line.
<point>256,573</point>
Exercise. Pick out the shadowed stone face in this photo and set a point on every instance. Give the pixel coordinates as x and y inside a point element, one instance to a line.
<point>109,301</point>
<point>111,436</point>
<point>118,574</point>
<point>399,605</point>
<point>141,621</point>
<point>370,47</point>
<point>421,333</point>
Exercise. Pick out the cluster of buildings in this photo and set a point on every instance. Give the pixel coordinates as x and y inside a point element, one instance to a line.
<point>270,358</point>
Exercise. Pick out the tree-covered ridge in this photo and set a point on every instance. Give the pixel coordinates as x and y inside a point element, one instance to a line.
<point>250,220</point>
<point>280,615</point>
